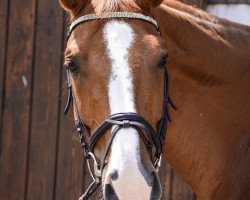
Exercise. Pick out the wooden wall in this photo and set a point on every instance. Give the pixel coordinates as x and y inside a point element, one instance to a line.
<point>40,156</point>
<point>228,1</point>
<point>203,3</point>
<point>196,3</point>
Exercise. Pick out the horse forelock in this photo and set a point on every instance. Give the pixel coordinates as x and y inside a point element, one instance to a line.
<point>102,6</point>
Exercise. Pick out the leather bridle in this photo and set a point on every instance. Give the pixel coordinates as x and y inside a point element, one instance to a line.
<point>153,140</point>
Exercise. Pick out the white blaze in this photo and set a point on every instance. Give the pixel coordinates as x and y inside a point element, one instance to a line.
<point>119,37</point>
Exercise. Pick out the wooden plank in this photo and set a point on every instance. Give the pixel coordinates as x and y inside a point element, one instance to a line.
<point>174,187</point>
<point>86,177</point>
<point>44,127</point>
<point>217,1</point>
<point>228,2</point>
<point>195,3</point>
<point>180,190</point>
<point>69,160</point>
<point>16,111</point>
<point>3,43</point>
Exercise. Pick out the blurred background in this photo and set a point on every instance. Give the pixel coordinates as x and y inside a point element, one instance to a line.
<point>40,155</point>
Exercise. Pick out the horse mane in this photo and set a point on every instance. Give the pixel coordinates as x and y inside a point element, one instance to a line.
<point>190,9</point>
<point>204,16</point>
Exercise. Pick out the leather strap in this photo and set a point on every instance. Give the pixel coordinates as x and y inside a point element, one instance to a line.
<point>129,15</point>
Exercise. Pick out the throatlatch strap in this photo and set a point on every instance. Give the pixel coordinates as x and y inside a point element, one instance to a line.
<point>162,125</point>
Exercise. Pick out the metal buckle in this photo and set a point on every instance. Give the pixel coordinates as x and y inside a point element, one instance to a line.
<point>158,163</point>
<point>96,174</point>
<point>126,123</point>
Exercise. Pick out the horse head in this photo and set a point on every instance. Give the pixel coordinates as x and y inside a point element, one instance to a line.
<point>116,66</point>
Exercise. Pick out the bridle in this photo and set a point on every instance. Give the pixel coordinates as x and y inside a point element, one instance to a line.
<point>153,140</point>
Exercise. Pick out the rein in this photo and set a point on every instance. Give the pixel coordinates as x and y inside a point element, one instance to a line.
<point>154,140</point>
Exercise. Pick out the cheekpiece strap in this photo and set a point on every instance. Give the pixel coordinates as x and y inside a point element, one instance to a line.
<point>110,15</point>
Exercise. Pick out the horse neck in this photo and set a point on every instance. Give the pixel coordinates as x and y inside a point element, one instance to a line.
<point>209,82</point>
<point>193,35</point>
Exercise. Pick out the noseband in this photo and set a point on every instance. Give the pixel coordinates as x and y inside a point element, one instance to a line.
<point>153,140</point>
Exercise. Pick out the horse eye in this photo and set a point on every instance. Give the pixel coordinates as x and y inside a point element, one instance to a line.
<point>163,62</point>
<point>71,65</point>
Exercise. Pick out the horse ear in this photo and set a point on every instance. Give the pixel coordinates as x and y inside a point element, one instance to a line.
<point>157,2</point>
<point>71,6</point>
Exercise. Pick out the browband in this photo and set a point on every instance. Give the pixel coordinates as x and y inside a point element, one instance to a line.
<point>110,15</point>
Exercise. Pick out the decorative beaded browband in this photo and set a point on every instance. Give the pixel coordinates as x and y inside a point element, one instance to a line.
<point>112,15</point>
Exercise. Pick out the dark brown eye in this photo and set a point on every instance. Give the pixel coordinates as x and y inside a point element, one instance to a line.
<point>71,66</point>
<point>163,62</point>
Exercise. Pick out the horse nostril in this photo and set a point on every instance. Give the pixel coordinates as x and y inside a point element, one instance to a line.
<point>109,193</point>
<point>114,175</point>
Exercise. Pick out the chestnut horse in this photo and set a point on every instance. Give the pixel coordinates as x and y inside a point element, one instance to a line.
<point>118,66</point>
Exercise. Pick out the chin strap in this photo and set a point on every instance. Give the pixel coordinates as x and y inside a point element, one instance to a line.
<point>95,175</point>
<point>90,191</point>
